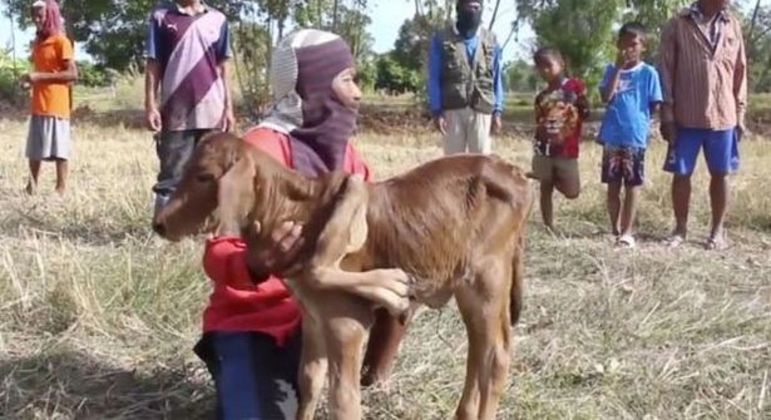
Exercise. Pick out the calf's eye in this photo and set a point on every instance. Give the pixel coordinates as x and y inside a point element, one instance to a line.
<point>204,178</point>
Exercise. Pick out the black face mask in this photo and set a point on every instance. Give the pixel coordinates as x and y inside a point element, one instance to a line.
<point>468,21</point>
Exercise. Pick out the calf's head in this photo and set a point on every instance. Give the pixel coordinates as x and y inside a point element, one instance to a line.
<point>216,191</point>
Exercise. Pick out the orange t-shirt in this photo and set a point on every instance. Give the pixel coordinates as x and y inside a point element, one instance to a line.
<point>49,56</point>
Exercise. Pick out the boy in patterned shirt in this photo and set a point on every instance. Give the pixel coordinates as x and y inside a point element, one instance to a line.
<point>560,111</point>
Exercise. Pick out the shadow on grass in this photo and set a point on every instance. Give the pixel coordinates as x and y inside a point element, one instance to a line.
<point>70,384</point>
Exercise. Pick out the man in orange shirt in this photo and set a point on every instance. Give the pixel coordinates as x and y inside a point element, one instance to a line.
<point>54,70</point>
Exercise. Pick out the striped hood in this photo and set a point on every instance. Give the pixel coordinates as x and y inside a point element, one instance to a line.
<point>303,66</point>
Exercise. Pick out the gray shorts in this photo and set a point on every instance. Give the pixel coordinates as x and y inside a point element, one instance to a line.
<point>49,138</point>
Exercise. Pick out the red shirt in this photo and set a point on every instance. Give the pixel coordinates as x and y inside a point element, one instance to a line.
<point>560,114</point>
<point>236,304</point>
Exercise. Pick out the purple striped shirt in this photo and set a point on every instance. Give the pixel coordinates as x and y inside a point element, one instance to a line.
<point>189,49</point>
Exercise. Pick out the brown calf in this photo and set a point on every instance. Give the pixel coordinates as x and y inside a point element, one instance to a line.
<point>455,225</point>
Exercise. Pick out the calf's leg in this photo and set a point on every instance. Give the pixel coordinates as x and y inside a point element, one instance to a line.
<point>313,368</point>
<point>346,331</point>
<point>484,306</point>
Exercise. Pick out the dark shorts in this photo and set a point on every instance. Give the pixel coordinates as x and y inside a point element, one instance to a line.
<point>623,164</point>
<point>721,150</point>
<point>254,377</point>
<point>174,149</point>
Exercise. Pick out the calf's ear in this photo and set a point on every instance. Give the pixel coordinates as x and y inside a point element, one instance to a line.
<point>235,196</point>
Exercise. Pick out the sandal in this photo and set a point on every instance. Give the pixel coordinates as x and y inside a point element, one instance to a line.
<point>675,240</point>
<point>625,241</point>
<point>716,244</point>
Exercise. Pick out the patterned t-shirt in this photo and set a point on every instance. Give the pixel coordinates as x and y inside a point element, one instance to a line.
<point>189,49</point>
<point>559,117</point>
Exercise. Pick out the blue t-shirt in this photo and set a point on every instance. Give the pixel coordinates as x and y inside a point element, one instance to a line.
<point>628,115</point>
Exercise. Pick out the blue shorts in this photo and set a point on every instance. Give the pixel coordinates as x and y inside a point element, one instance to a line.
<point>254,377</point>
<point>721,150</point>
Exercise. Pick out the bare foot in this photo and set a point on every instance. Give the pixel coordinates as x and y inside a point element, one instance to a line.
<point>60,190</point>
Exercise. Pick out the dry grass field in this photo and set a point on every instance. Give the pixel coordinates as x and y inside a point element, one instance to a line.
<point>98,317</point>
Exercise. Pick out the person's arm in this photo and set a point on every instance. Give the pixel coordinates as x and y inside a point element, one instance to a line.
<point>223,58</point>
<point>435,84</point>
<point>358,166</point>
<point>609,90</point>
<point>69,73</point>
<point>582,102</point>
<point>740,85</point>
<point>610,82</point>
<point>537,108</point>
<point>654,91</point>
<point>435,77</point>
<point>497,90</point>
<point>498,81</point>
<point>667,68</point>
<point>152,82</point>
<point>224,262</point>
<point>152,77</point>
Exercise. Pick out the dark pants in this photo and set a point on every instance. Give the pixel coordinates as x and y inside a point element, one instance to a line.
<point>254,378</point>
<point>174,149</point>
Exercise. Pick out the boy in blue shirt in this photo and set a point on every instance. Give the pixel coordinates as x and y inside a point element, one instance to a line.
<point>632,91</point>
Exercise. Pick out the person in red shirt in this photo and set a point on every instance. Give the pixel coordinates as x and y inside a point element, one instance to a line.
<point>251,327</point>
<point>560,110</point>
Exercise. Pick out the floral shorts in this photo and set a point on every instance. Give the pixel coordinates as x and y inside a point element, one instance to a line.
<point>625,164</point>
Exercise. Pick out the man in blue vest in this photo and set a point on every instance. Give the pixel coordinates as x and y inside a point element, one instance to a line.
<point>465,89</point>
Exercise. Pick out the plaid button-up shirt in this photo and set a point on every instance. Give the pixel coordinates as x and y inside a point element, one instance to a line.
<point>715,29</point>
<point>703,75</point>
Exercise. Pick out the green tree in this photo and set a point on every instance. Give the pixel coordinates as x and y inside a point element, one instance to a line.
<point>394,78</point>
<point>757,32</point>
<point>520,77</point>
<point>584,30</point>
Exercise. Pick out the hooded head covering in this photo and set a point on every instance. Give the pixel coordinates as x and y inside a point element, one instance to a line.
<point>53,19</point>
<point>303,66</point>
<point>468,20</point>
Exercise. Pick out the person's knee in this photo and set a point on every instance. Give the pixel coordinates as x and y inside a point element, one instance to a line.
<point>572,194</point>
<point>614,189</point>
<point>681,179</point>
<point>570,189</point>
<point>718,176</point>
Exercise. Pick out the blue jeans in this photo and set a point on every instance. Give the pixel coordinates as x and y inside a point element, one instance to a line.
<point>254,377</point>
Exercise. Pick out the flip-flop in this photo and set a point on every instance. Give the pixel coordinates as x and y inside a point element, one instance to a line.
<point>626,241</point>
<point>715,244</point>
<point>675,240</point>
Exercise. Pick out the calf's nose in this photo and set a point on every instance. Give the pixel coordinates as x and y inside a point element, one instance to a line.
<point>159,228</point>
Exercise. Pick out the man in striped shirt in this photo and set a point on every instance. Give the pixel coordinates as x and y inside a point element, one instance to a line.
<point>187,51</point>
<point>703,71</point>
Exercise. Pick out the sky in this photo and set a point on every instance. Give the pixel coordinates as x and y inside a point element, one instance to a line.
<point>387,16</point>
